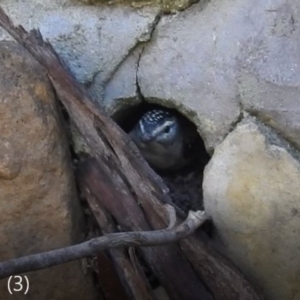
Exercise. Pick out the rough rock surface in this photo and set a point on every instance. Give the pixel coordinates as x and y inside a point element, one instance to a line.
<point>94,40</point>
<point>202,57</point>
<point>213,60</point>
<point>121,91</point>
<point>39,208</point>
<point>165,5</point>
<point>251,191</point>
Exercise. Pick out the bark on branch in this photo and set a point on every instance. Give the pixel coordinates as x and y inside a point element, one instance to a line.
<point>114,240</point>
<point>131,274</point>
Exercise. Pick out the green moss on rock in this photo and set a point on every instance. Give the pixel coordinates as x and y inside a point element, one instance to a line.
<point>166,5</point>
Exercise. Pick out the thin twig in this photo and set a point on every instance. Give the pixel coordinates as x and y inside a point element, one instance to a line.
<point>115,240</point>
<point>172,215</point>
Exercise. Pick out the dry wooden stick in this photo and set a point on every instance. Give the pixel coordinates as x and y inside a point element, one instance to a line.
<point>114,240</point>
<point>127,213</point>
<point>134,281</point>
<point>111,284</point>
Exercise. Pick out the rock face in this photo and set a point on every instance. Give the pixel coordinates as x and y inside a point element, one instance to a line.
<point>251,191</point>
<point>121,91</point>
<point>217,60</point>
<point>165,5</point>
<point>95,41</point>
<point>214,63</point>
<point>38,203</point>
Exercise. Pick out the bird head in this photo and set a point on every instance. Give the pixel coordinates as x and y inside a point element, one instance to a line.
<point>156,126</point>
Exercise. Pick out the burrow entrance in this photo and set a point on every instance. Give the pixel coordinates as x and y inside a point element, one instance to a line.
<point>185,184</point>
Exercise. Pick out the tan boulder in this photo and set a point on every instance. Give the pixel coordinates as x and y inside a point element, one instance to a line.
<point>39,209</point>
<point>251,191</point>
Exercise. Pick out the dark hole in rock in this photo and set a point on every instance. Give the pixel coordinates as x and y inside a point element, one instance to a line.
<point>185,183</point>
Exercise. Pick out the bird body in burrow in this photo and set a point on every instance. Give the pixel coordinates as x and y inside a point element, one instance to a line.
<point>160,137</point>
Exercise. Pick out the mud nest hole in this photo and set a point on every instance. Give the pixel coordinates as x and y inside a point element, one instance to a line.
<point>185,184</point>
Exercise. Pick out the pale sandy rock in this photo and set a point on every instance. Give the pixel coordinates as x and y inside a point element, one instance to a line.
<point>251,191</point>
<point>10,160</point>
<point>39,209</point>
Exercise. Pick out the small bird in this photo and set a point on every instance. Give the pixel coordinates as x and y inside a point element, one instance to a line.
<point>161,137</point>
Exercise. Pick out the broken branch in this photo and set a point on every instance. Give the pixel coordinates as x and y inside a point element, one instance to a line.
<point>114,240</point>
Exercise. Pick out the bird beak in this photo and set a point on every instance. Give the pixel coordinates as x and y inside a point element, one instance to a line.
<point>147,138</point>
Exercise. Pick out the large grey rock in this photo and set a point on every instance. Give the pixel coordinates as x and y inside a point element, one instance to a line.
<point>121,91</point>
<point>269,78</point>
<point>93,40</point>
<point>165,5</point>
<point>251,191</point>
<point>39,209</point>
<point>275,104</point>
<point>198,60</point>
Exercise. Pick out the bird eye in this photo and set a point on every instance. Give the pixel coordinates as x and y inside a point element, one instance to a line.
<point>167,129</point>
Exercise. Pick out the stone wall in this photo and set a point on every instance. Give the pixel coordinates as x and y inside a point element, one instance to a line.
<point>230,66</point>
